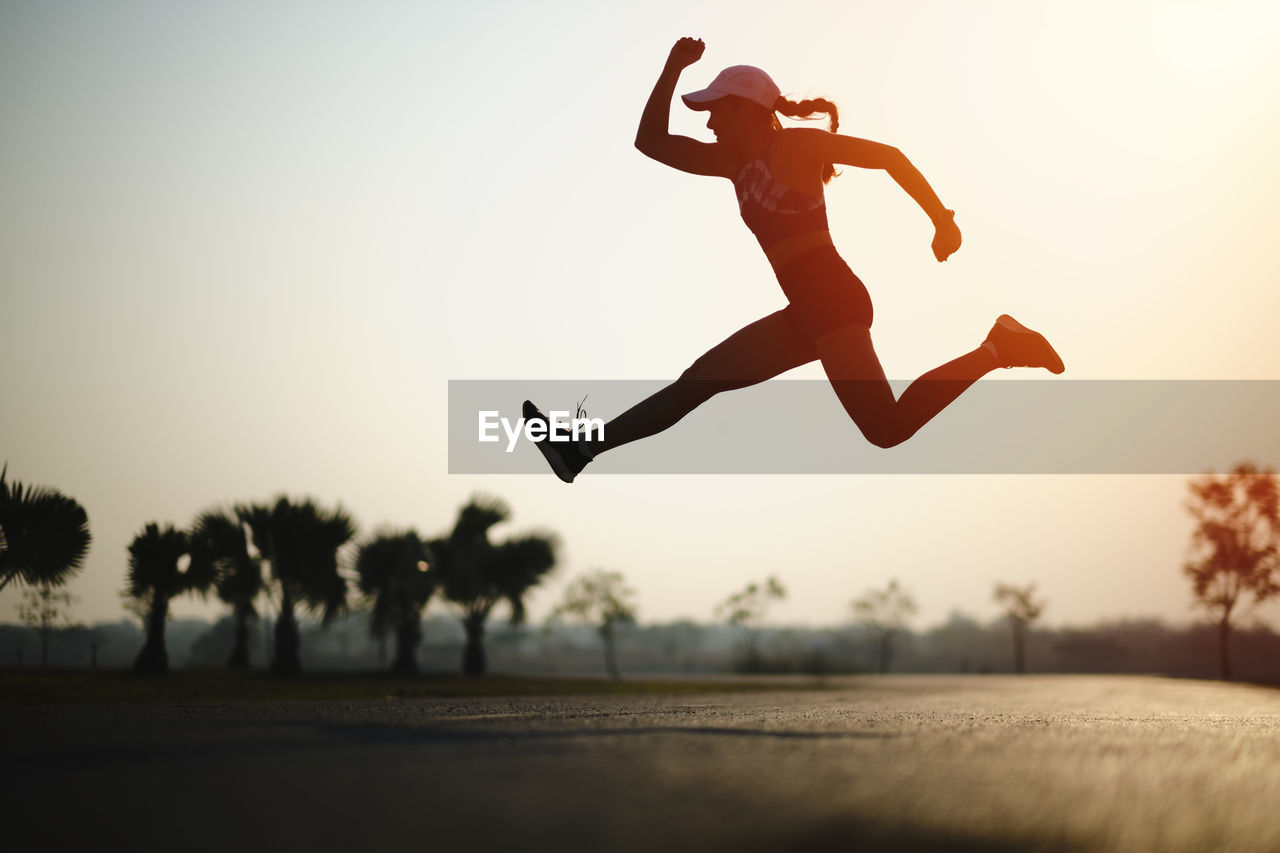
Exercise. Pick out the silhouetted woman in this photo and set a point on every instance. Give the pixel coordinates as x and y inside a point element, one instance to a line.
<point>778,174</point>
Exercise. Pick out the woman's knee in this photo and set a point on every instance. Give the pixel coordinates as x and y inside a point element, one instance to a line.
<point>872,408</point>
<point>882,437</point>
<point>884,428</point>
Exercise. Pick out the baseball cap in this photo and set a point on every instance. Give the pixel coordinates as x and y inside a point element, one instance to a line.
<point>745,81</point>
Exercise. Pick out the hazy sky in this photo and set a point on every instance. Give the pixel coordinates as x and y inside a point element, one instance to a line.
<point>245,245</point>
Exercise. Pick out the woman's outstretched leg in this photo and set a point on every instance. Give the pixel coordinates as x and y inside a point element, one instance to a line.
<point>853,367</point>
<point>768,347</point>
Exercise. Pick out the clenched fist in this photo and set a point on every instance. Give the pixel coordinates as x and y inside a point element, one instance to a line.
<point>947,238</point>
<point>685,52</point>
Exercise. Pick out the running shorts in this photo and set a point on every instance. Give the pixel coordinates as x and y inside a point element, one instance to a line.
<point>824,294</point>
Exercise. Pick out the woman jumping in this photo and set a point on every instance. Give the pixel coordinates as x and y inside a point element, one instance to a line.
<point>778,174</point>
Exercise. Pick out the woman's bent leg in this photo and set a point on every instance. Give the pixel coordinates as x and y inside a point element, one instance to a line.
<point>851,364</point>
<point>766,348</point>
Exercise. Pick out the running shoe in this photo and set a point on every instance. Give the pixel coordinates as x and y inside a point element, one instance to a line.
<point>564,455</point>
<point>1017,346</point>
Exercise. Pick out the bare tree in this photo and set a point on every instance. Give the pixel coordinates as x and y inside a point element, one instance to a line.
<point>1022,608</point>
<point>48,610</point>
<point>604,599</point>
<point>746,610</point>
<point>1233,551</point>
<point>886,612</point>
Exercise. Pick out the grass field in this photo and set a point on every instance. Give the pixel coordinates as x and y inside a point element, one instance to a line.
<point>30,686</point>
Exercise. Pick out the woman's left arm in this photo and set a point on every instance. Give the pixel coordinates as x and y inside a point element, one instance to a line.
<point>864,154</point>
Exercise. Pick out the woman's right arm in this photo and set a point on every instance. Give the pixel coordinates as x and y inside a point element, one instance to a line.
<point>654,138</point>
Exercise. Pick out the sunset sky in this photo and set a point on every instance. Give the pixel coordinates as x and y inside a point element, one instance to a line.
<point>245,245</point>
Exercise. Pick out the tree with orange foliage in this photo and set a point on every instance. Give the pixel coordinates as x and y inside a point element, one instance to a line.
<point>1233,552</point>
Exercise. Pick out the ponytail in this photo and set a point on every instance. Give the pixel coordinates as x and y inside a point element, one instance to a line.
<point>807,110</point>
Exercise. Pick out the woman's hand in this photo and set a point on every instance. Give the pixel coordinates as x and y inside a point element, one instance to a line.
<point>947,237</point>
<point>684,53</point>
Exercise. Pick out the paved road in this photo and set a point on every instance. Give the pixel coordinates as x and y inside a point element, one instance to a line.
<point>915,763</point>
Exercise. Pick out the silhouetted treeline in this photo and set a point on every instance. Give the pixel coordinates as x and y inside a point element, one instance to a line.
<point>960,645</point>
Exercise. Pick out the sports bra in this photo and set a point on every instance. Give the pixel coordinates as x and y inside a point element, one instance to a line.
<point>773,211</point>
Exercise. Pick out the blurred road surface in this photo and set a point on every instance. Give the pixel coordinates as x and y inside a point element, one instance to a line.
<point>899,762</point>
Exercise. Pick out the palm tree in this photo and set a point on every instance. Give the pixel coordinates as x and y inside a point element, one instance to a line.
<point>476,574</point>
<point>300,542</point>
<point>155,576</point>
<point>44,535</point>
<point>392,570</point>
<point>239,576</point>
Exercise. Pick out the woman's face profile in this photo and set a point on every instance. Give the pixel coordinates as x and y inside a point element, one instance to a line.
<point>728,118</point>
